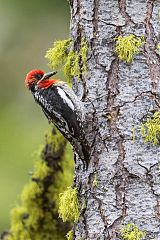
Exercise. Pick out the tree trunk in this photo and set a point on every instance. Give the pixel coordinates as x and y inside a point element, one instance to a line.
<point>122,183</point>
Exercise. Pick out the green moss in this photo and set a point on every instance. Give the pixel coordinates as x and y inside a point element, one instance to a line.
<point>72,62</point>
<point>95,181</point>
<point>157,50</point>
<point>133,134</point>
<point>18,215</point>
<point>54,141</point>
<point>37,215</point>
<point>158,46</point>
<point>69,235</point>
<point>131,232</point>
<point>69,208</point>
<point>63,178</point>
<point>150,130</point>
<point>58,53</point>
<point>128,46</point>
<point>71,67</point>
<point>83,54</point>
<point>41,170</point>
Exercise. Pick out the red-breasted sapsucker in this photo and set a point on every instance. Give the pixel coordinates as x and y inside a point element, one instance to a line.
<point>61,106</point>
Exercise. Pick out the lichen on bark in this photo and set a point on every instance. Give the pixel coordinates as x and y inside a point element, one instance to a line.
<point>128,46</point>
<point>64,56</point>
<point>150,129</point>
<point>69,208</point>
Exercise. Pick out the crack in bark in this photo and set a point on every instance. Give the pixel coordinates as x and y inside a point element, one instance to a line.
<point>80,36</point>
<point>152,59</point>
<point>150,94</point>
<point>153,62</point>
<point>149,180</point>
<point>84,221</point>
<point>121,176</point>
<point>77,46</point>
<point>103,217</point>
<point>95,18</point>
<point>95,31</point>
<point>110,24</point>
<point>122,8</point>
<point>153,96</point>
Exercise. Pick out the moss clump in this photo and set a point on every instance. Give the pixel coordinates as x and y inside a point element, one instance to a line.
<point>95,181</point>
<point>72,62</point>
<point>157,50</point>
<point>133,134</point>
<point>128,46</point>
<point>58,53</point>
<point>131,232</point>
<point>69,209</point>
<point>71,67</point>
<point>150,130</point>
<point>55,141</point>
<point>69,235</point>
<point>18,215</point>
<point>41,171</point>
<point>37,215</point>
<point>158,46</point>
<point>83,55</point>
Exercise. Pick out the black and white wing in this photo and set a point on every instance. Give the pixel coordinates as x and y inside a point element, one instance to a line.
<point>64,109</point>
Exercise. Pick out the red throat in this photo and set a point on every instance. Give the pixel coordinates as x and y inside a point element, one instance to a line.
<point>46,83</point>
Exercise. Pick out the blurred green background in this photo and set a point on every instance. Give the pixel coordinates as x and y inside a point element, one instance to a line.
<point>27,30</point>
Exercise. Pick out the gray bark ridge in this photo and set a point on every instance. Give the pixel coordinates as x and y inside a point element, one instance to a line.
<point>127,174</point>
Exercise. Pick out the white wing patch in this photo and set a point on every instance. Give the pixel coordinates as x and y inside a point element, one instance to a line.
<point>65,98</point>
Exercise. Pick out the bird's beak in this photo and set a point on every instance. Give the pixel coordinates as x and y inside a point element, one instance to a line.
<point>48,75</point>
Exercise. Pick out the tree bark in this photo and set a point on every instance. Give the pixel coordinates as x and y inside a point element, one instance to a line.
<point>122,183</point>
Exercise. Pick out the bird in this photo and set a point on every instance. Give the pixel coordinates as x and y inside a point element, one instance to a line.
<point>62,107</point>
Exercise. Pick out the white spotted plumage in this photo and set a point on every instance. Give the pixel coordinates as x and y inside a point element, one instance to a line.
<point>43,101</point>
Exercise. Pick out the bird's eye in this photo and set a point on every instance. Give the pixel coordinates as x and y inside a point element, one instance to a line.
<point>38,76</point>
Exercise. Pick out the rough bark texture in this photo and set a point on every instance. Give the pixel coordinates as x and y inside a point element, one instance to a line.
<point>126,172</point>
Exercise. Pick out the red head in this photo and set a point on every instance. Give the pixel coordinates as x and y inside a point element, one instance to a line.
<point>34,77</point>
